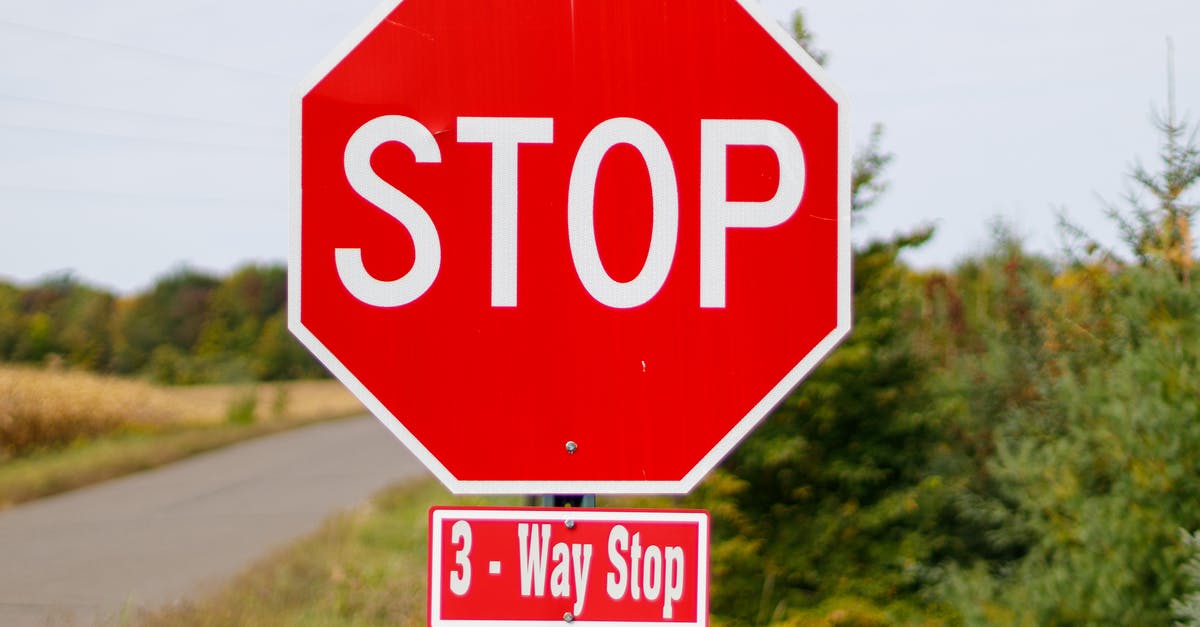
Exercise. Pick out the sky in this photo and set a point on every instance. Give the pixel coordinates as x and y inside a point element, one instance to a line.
<point>139,136</point>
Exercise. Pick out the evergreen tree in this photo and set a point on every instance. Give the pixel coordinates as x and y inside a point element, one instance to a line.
<point>830,503</point>
<point>1187,608</point>
<point>1095,468</point>
<point>1102,471</point>
<point>1162,234</point>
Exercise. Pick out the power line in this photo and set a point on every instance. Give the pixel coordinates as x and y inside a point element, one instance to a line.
<point>194,198</point>
<point>147,51</point>
<point>143,138</point>
<point>147,114</point>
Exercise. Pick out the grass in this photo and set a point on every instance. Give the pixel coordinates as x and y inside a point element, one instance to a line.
<point>293,400</point>
<point>46,409</point>
<point>61,430</point>
<point>363,568</point>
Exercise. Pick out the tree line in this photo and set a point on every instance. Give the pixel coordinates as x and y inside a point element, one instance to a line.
<point>189,327</point>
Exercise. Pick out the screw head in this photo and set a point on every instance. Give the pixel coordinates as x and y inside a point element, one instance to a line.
<point>569,617</point>
<point>570,524</point>
<point>572,447</point>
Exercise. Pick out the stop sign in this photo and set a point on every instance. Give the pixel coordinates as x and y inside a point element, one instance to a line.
<point>570,246</point>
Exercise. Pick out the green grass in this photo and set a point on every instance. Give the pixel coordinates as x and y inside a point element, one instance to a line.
<point>366,567</point>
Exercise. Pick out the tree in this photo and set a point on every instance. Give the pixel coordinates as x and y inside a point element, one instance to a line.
<point>10,319</point>
<point>171,314</point>
<point>1101,471</point>
<point>1161,233</point>
<point>829,500</point>
<point>1094,469</point>
<point>58,319</point>
<point>234,325</point>
<point>1187,609</point>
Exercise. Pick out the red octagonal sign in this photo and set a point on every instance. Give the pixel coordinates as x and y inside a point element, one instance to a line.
<point>570,246</point>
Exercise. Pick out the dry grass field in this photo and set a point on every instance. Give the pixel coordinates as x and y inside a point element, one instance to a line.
<point>46,409</point>
<point>290,400</point>
<point>61,429</point>
<point>43,409</point>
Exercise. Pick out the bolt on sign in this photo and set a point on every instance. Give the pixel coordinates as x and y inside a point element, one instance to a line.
<point>570,247</point>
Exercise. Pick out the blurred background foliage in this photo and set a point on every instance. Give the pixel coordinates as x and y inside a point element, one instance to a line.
<point>189,327</point>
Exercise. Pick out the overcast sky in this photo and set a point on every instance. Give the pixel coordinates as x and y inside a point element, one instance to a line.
<point>140,135</point>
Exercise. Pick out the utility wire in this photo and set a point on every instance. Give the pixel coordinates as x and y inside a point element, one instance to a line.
<point>142,138</point>
<point>139,113</point>
<point>147,51</point>
<point>262,200</point>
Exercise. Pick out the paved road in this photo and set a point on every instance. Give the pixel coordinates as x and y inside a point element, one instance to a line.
<point>167,534</point>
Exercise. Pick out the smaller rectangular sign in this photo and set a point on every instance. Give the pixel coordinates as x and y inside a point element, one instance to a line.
<point>553,566</point>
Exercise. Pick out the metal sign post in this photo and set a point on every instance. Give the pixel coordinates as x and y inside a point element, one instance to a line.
<point>566,500</point>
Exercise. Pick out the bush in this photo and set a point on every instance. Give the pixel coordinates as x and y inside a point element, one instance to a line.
<point>242,407</point>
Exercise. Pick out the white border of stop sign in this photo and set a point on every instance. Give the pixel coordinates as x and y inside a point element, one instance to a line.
<point>505,136</point>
